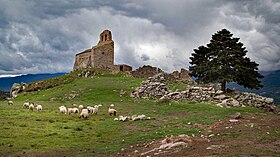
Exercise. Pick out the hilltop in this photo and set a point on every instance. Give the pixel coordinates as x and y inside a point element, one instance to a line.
<point>50,133</point>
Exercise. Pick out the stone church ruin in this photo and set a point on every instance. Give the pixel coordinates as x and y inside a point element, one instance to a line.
<point>100,56</point>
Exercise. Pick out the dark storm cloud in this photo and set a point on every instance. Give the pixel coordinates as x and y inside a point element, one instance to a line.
<point>145,57</point>
<point>44,36</point>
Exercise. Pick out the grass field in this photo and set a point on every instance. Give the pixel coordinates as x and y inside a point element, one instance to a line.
<point>50,133</point>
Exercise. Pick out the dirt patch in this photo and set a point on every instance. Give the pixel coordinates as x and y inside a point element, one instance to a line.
<point>252,135</point>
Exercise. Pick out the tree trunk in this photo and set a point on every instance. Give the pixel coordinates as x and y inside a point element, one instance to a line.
<point>224,86</point>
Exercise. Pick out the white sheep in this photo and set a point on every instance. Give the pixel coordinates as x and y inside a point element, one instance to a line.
<point>63,109</point>
<point>26,105</point>
<point>39,108</point>
<point>99,105</point>
<point>112,111</point>
<point>81,107</point>
<point>76,110</point>
<point>10,102</point>
<point>73,110</point>
<point>84,114</point>
<point>31,107</point>
<point>92,110</point>
<point>112,105</point>
<point>122,118</point>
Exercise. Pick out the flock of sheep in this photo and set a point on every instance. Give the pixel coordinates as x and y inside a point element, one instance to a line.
<point>84,112</point>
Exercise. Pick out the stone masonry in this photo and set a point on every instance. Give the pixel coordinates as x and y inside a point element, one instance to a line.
<point>155,87</point>
<point>100,56</point>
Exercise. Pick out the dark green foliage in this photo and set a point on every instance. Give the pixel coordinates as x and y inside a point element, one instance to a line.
<point>223,60</point>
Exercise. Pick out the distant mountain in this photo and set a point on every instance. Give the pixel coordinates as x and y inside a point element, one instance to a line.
<point>7,82</point>
<point>271,83</point>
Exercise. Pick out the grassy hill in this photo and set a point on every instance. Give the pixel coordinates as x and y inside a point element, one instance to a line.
<point>49,133</point>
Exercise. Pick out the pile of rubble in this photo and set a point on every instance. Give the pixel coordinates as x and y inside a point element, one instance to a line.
<point>152,87</point>
<point>252,99</point>
<point>156,87</point>
<point>87,73</point>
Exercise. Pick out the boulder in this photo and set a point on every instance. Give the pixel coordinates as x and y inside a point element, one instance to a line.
<point>17,89</point>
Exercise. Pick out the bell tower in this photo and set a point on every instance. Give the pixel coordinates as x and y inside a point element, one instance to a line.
<point>105,37</point>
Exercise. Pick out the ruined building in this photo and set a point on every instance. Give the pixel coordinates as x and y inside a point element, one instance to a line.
<point>100,56</point>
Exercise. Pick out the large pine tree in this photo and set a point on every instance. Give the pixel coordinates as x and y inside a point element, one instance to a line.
<point>223,60</point>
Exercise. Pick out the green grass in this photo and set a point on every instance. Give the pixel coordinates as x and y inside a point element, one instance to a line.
<point>50,131</point>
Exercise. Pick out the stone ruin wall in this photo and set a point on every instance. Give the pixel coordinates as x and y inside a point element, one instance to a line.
<point>156,87</point>
<point>103,56</point>
<point>83,60</point>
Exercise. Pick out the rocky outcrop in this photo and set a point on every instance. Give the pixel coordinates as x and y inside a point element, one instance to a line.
<point>176,76</point>
<point>146,71</point>
<point>17,88</point>
<point>182,76</point>
<point>155,87</point>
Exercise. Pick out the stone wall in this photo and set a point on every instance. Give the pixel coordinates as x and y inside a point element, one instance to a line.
<point>152,87</point>
<point>155,87</point>
<point>103,55</point>
<point>124,67</point>
<point>83,60</point>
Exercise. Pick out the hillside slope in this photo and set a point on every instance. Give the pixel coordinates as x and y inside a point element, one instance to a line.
<point>49,133</point>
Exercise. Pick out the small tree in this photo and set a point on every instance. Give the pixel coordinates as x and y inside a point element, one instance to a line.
<point>222,61</point>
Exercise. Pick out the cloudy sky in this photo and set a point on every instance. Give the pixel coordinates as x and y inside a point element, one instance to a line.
<point>44,36</point>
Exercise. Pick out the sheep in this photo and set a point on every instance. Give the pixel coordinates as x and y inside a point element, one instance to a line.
<point>63,109</point>
<point>112,105</point>
<point>122,118</point>
<point>112,111</point>
<point>95,110</point>
<point>92,110</point>
<point>99,105</point>
<point>39,108</point>
<point>31,107</point>
<point>76,110</point>
<point>81,107</point>
<point>84,114</point>
<point>10,102</point>
<point>26,105</point>
<point>75,105</point>
<point>73,110</point>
